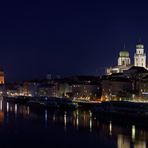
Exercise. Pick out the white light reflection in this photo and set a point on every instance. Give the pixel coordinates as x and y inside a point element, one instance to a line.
<point>7,110</point>
<point>54,117</point>
<point>15,109</point>
<point>110,128</point>
<point>133,132</point>
<point>77,119</point>
<point>90,114</point>
<point>65,120</point>
<point>7,107</point>
<point>90,121</point>
<point>11,109</point>
<point>46,117</point>
<point>28,110</point>
<point>1,105</point>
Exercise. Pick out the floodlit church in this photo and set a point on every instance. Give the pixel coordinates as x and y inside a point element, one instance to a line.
<point>124,61</point>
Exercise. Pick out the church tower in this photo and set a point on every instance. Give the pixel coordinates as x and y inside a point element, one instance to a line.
<point>140,56</point>
<point>124,59</point>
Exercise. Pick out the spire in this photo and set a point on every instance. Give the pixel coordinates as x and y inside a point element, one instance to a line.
<point>139,41</point>
<point>124,45</point>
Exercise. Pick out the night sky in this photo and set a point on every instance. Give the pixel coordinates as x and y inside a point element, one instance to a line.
<point>68,37</point>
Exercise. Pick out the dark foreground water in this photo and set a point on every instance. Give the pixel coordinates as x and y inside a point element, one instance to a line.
<point>21,126</point>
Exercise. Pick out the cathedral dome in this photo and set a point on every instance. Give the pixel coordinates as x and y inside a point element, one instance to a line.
<point>139,46</point>
<point>124,54</point>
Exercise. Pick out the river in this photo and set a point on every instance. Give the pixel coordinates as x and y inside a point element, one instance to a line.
<point>22,126</point>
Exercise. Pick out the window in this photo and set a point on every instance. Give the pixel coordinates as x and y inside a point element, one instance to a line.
<point>123,62</point>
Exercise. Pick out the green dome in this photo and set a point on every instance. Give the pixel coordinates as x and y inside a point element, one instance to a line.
<point>139,46</point>
<point>124,54</point>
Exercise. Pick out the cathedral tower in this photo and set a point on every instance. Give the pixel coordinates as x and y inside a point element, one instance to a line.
<point>140,56</point>
<point>124,58</point>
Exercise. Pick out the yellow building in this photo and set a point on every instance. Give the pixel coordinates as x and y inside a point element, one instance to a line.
<point>2,77</point>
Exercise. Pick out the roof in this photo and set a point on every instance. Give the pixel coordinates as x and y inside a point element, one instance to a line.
<point>145,78</point>
<point>124,54</point>
<point>120,79</point>
<point>139,45</point>
<point>138,69</point>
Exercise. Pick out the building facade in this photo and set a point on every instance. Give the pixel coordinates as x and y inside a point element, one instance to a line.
<point>124,58</point>
<point>140,56</point>
<point>116,88</point>
<point>124,61</point>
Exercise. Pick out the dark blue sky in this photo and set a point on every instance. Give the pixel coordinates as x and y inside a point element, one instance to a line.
<point>67,37</point>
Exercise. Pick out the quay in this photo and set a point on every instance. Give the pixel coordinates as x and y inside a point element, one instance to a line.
<point>122,111</point>
<point>113,110</point>
<point>46,102</point>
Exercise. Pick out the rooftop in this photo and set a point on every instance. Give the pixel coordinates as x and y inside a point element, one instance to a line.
<point>124,53</point>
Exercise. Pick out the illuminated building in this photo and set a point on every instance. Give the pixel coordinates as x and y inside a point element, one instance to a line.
<point>47,90</point>
<point>143,87</point>
<point>124,85</point>
<point>124,58</point>
<point>140,56</point>
<point>2,77</point>
<point>123,63</point>
<point>80,87</point>
<point>115,88</point>
<point>86,91</point>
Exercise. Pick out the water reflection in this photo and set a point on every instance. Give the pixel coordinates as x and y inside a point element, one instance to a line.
<point>140,144</point>
<point>7,107</point>
<point>129,136</point>
<point>46,118</point>
<point>77,119</point>
<point>90,121</point>
<point>1,104</point>
<point>133,132</point>
<point>110,128</point>
<point>123,142</point>
<point>54,117</point>
<point>15,109</point>
<point>65,120</point>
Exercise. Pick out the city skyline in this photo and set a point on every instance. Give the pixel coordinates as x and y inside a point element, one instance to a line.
<point>74,73</point>
<point>67,38</point>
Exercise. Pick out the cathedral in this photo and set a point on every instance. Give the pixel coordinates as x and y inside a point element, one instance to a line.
<point>124,61</point>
